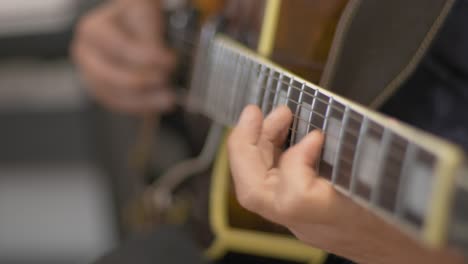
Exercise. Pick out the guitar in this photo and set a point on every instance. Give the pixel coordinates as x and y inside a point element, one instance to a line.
<point>230,73</point>
<point>409,178</point>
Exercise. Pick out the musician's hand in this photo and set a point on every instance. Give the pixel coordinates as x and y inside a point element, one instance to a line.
<point>285,188</point>
<point>120,50</point>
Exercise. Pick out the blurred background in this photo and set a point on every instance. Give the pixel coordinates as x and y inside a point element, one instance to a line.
<point>58,200</point>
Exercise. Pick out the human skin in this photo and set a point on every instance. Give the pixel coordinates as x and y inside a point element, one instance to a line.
<point>121,54</point>
<point>283,187</point>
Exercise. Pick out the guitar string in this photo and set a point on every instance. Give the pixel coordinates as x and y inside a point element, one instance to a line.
<point>335,108</point>
<point>350,131</point>
<point>329,104</point>
<point>191,54</point>
<point>382,188</point>
<point>269,90</point>
<point>391,186</point>
<point>309,109</point>
<point>396,156</point>
<point>393,156</point>
<point>272,72</point>
<point>358,119</point>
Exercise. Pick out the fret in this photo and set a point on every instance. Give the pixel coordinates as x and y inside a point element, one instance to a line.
<point>268,92</point>
<point>238,90</point>
<point>362,135</point>
<point>288,95</point>
<point>287,100</point>
<point>326,167</point>
<point>296,114</point>
<point>392,173</point>
<point>382,156</point>
<point>278,90</point>
<point>418,188</point>
<point>327,114</point>
<point>251,85</point>
<point>246,86</point>
<point>214,81</point>
<point>253,97</point>
<point>259,91</point>
<point>302,124</point>
<point>336,163</point>
<point>401,181</point>
<point>226,81</point>
<point>234,90</point>
<point>410,156</point>
<point>312,108</point>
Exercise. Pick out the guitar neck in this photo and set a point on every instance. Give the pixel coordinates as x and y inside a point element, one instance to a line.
<point>402,174</point>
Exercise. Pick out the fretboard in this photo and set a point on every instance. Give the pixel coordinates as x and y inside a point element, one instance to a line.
<point>400,173</point>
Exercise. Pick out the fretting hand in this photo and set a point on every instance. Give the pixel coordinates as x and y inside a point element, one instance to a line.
<point>285,188</point>
<point>120,51</point>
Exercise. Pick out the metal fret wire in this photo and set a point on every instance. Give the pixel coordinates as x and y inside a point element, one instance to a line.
<point>315,99</point>
<point>354,133</point>
<point>315,96</point>
<point>410,156</point>
<point>362,134</point>
<point>340,146</point>
<point>297,117</point>
<point>220,67</point>
<point>383,152</point>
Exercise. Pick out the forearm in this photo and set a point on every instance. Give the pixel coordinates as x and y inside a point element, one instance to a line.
<point>367,239</point>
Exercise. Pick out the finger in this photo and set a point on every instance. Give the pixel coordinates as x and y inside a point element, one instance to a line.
<point>276,126</point>
<point>145,20</point>
<point>248,169</point>
<point>249,127</point>
<point>308,150</point>
<point>298,164</point>
<point>111,40</point>
<point>99,70</point>
<point>301,195</point>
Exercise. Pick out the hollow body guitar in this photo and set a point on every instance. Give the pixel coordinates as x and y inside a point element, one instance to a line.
<point>297,34</point>
<point>411,179</point>
<point>407,177</point>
